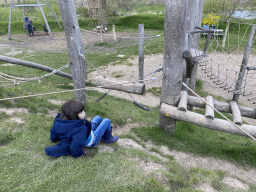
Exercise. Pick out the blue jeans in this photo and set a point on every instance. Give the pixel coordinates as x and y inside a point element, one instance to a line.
<point>99,127</point>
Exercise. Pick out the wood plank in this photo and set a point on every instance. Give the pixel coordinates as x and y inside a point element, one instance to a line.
<point>222,107</point>
<point>209,111</point>
<point>182,106</point>
<point>120,85</point>
<point>200,120</point>
<point>236,113</point>
<point>33,65</point>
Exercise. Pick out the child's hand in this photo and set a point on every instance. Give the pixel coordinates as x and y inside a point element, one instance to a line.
<point>84,153</point>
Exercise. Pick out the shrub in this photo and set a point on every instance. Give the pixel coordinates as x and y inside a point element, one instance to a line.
<point>149,21</point>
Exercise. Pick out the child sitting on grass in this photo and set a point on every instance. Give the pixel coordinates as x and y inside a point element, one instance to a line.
<point>75,132</point>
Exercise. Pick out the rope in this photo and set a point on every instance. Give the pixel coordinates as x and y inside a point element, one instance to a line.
<point>25,80</point>
<point>218,111</point>
<point>89,88</point>
<point>152,37</point>
<point>81,55</point>
<point>216,74</point>
<point>142,106</point>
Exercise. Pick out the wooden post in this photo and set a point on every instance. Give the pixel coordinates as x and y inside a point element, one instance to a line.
<point>236,114</point>
<point>120,85</point>
<point>207,42</point>
<point>24,14</point>
<point>209,112</point>
<point>200,120</point>
<point>244,64</point>
<point>45,20</point>
<point>10,21</point>
<point>198,19</point>
<point>114,32</point>
<point>75,47</point>
<point>101,36</point>
<point>174,42</point>
<point>225,35</point>
<point>141,52</point>
<point>54,14</point>
<point>193,19</point>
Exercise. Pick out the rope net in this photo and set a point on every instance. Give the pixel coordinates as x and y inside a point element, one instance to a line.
<point>220,68</point>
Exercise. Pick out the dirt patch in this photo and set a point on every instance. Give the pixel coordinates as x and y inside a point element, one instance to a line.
<point>56,102</point>
<point>235,184</point>
<point>17,120</point>
<point>189,161</point>
<point>117,130</point>
<point>205,187</point>
<point>11,111</point>
<point>129,143</point>
<point>148,167</point>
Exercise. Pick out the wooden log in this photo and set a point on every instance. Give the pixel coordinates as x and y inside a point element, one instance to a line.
<point>209,111</point>
<point>182,106</point>
<point>75,47</point>
<point>191,59</point>
<point>120,85</point>
<point>251,68</point>
<point>236,113</point>
<point>200,120</point>
<point>33,65</point>
<point>222,107</point>
<point>196,53</point>
<point>174,36</point>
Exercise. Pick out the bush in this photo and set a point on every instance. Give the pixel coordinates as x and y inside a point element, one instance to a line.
<point>149,21</point>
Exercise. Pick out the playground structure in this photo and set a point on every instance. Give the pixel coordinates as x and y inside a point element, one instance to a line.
<point>39,4</point>
<point>180,51</point>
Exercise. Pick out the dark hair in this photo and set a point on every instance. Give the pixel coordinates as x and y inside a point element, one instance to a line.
<point>71,109</point>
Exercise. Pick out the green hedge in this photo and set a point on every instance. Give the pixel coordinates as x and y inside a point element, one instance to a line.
<point>17,26</point>
<point>149,21</point>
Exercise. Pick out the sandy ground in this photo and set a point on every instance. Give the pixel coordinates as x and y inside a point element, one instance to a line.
<point>130,73</point>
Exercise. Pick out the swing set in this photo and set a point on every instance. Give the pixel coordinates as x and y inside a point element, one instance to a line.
<point>39,4</point>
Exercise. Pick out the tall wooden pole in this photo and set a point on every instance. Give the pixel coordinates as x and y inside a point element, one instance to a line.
<point>141,52</point>
<point>39,4</point>
<point>244,64</point>
<point>198,18</point>
<point>75,46</point>
<point>174,42</point>
<point>193,19</point>
<point>10,21</point>
<point>225,35</point>
<point>24,14</point>
<point>54,14</point>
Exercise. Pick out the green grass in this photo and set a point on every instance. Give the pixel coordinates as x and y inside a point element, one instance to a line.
<point>24,165</point>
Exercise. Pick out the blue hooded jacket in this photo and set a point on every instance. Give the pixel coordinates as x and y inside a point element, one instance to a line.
<point>72,135</point>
